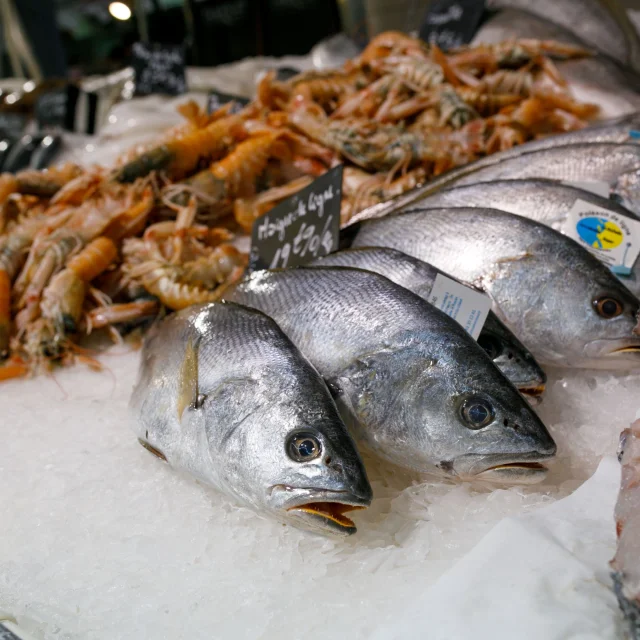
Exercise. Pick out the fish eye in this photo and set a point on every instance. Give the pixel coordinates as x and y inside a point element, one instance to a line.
<point>490,344</point>
<point>303,447</point>
<point>607,307</point>
<point>476,412</point>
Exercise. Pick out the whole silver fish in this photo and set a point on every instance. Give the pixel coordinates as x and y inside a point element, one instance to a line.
<point>561,301</point>
<point>507,352</point>
<point>617,165</point>
<point>412,384</point>
<point>601,24</point>
<point>626,563</point>
<point>616,131</point>
<point>595,79</point>
<point>545,201</point>
<point>223,394</point>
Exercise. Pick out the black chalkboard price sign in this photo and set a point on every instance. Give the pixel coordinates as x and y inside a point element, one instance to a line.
<point>12,124</point>
<point>451,23</point>
<point>217,99</point>
<point>301,228</point>
<point>159,68</point>
<point>57,109</point>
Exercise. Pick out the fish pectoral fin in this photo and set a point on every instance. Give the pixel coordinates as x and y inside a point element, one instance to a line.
<point>522,256</point>
<point>188,395</point>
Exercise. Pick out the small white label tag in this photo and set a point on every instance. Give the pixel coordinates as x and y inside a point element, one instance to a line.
<point>599,188</point>
<point>612,238</point>
<point>468,307</point>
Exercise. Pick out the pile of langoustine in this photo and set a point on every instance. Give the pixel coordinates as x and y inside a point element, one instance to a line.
<point>94,249</point>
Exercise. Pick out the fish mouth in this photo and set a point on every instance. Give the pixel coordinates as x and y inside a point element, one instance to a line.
<point>322,510</point>
<point>516,472</point>
<point>533,393</point>
<point>527,468</point>
<point>630,349</point>
<point>330,514</point>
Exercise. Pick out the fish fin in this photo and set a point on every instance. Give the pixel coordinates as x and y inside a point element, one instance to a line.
<point>522,256</point>
<point>188,395</point>
<point>152,449</point>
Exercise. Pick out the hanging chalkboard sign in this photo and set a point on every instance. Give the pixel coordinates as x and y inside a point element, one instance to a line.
<point>451,23</point>
<point>301,228</point>
<point>12,124</point>
<point>57,109</point>
<point>159,68</point>
<point>217,99</point>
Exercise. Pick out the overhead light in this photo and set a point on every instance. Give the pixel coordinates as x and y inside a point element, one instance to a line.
<point>119,11</point>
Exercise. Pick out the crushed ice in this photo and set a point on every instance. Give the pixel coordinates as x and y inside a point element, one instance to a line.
<point>99,539</point>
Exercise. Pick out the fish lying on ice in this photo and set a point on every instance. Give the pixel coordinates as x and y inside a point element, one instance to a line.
<point>617,131</point>
<point>603,24</point>
<point>223,394</point>
<point>616,165</point>
<point>593,79</point>
<point>561,301</point>
<point>507,352</point>
<point>412,384</point>
<point>545,201</point>
<point>626,564</point>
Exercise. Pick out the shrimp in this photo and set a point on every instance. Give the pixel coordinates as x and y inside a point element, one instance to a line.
<point>43,184</point>
<point>487,104</point>
<point>513,53</point>
<point>454,110</point>
<point>324,88</point>
<point>384,43</point>
<point>194,282</point>
<point>419,74</point>
<point>181,156</point>
<point>107,315</point>
<point>235,174</point>
<point>63,299</point>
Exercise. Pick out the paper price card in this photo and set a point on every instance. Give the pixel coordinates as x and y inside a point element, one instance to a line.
<point>468,307</point>
<point>301,228</point>
<point>612,238</point>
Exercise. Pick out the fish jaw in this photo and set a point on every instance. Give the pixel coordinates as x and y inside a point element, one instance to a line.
<point>319,510</point>
<point>620,354</point>
<point>503,469</point>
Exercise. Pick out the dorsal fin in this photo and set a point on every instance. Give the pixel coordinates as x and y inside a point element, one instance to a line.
<point>188,381</point>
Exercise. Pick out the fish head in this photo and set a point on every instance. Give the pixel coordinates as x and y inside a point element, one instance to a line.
<point>576,312</point>
<point>481,426</point>
<point>305,464</point>
<point>447,409</point>
<point>512,358</point>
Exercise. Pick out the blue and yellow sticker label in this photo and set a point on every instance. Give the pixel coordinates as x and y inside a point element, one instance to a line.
<point>600,233</point>
<point>610,236</point>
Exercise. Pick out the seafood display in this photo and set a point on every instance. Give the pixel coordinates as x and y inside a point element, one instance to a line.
<point>95,250</point>
<point>562,302</point>
<point>594,79</point>
<point>259,425</point>
<point>507,352</point>
<point>627,513</point>
<point>412,384</point>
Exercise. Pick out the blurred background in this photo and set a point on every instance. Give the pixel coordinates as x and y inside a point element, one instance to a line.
<point>76,38</point>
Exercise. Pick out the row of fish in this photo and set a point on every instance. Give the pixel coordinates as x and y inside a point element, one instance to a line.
<point>411,385</point>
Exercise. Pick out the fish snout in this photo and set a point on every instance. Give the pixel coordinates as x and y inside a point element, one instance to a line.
<point>350,476</point>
